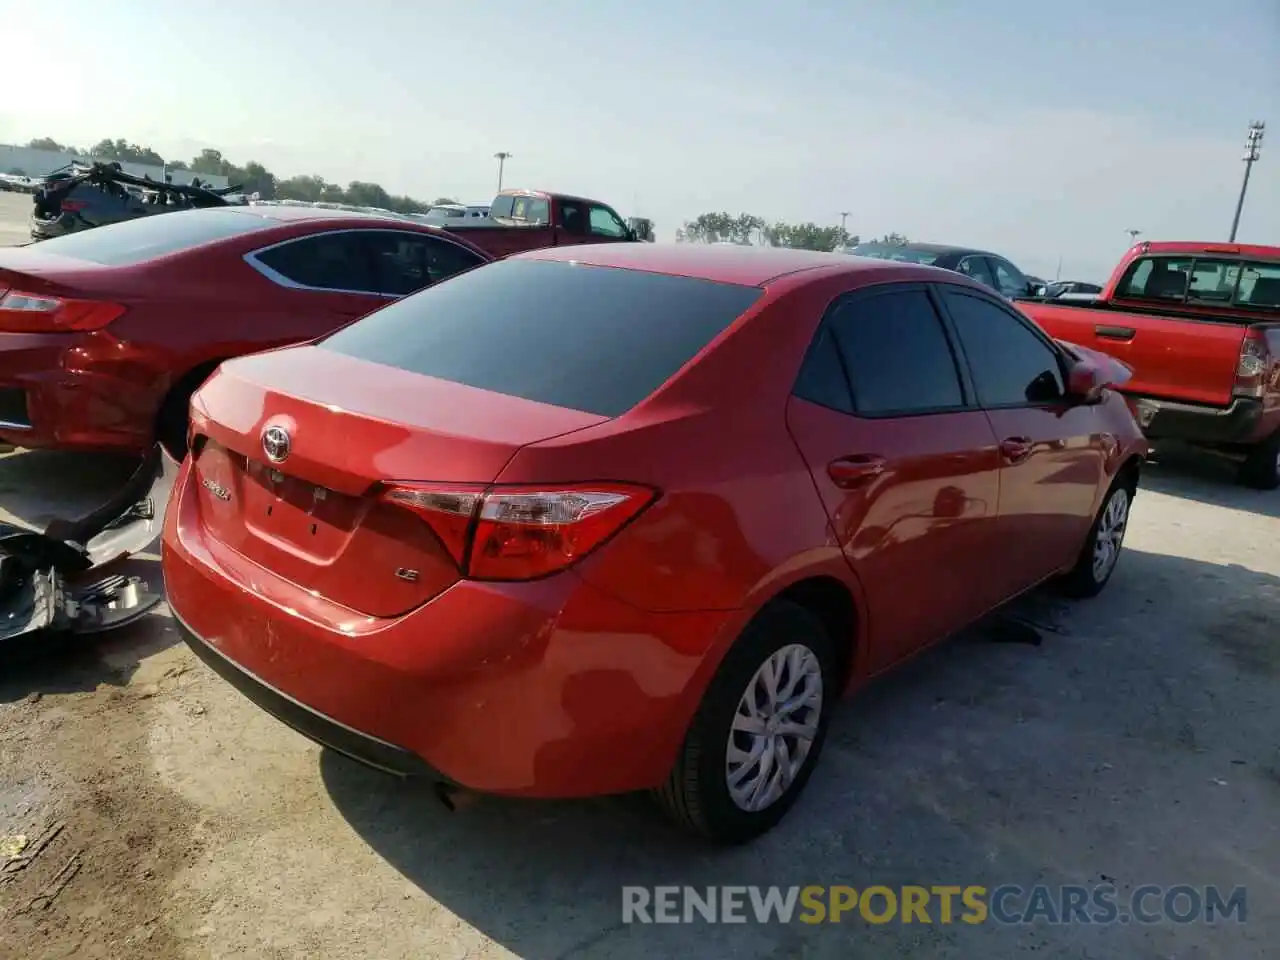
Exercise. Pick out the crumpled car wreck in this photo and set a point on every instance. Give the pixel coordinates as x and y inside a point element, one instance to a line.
<point>54,580</point>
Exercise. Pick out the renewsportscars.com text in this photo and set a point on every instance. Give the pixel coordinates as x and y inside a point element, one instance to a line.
<point>942,904</point>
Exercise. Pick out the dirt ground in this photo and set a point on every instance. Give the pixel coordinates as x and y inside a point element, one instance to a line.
<point>149,811</point>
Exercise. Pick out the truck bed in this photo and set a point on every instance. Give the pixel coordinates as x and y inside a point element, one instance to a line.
<point>1181,357</point>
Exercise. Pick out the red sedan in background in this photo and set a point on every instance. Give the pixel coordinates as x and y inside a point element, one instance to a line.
<point>104,334</point>
<point>620,517</point>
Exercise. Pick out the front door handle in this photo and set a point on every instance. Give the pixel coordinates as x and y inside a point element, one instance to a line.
<point>855,470</point>
<point>1016,449</point>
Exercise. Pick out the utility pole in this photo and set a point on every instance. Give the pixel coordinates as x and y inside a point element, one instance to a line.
<point>502,157</point>
<point>844,215</point>
<point>1252,150</point>
<point>1133,235</point>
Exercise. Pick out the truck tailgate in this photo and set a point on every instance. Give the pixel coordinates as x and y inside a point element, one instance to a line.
<point>1172,358</point>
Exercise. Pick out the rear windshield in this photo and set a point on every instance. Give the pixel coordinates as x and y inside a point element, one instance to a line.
<point>595,339</point>
<point>135,241</point>
<point>889,251</point>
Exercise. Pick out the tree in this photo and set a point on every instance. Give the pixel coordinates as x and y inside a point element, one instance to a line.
<point>48,143</point>
<point>124,152</point>
<point>300,188</point>
<point>442,200</point>
<point>893,239</point>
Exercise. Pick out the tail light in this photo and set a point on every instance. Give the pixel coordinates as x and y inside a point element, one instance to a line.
<point>73,206</point>
<point>519,532</point>
<point>1251,369</point>
<point>34,313</point>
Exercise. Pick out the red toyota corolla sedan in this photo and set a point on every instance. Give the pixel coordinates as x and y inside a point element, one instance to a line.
<point>610,518</point>
<point>104,334</point>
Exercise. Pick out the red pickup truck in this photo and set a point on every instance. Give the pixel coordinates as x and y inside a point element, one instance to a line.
<point>1199,325</point>
<point>522,220</point>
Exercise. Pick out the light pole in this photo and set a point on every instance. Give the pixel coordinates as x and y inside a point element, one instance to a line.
<point>1133,235</point>
<point>844,215</point>
<point>1252,149</point>
<point>502,157</point>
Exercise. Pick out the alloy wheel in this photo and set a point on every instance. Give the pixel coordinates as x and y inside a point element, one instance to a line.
<point>774,728</point>
<point>1110,536</point>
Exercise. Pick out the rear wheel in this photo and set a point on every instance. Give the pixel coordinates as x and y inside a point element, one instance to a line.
<point>759,731</point>
<point>1261,468</point>
<point>1101,550</point>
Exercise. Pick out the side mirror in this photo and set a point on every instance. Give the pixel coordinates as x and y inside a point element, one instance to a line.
<point>1086,381</point>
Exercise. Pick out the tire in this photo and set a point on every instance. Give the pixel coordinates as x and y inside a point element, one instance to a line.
<point>174,417</point>
<point>171,424</point>
<point>1261,468</point>
<point>697,793</point>
<point>1087,578</point>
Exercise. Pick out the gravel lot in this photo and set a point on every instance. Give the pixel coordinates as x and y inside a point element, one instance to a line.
<point>1137,744</point>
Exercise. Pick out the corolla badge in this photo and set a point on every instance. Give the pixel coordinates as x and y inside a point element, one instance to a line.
<point>276,443</point>
<point>217,489</point>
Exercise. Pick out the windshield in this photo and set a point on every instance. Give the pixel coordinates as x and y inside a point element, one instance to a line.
<point>596,339</point>
<point>145,238</point>
<point>890,251</point>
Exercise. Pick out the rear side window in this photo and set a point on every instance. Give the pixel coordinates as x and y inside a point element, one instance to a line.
<point>896,353</point>
<point>595,339</point>
<point>136,241</point>
<point>323,261</point>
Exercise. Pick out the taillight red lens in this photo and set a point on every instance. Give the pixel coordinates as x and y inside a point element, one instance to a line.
<point>521,532</point>
<point>73,206</point>
<point>1251,369</point>
<point>35,313</point>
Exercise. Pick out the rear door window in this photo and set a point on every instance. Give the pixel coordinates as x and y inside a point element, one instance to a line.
<point>896,353</point>
<point>146,238</point>
<point>595,339</point>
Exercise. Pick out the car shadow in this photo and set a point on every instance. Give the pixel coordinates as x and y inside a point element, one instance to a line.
<point>1204,478</point>
<point>1073,760</point>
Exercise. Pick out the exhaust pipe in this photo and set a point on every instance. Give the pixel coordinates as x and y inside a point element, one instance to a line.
<point>454,798</point>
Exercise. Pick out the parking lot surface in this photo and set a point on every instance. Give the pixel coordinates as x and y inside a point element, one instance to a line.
<point>162,815</point>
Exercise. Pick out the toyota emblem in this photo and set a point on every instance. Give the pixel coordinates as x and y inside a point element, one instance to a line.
<point>275,444</point>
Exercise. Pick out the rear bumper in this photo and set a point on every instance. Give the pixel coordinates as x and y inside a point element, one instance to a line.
<point>543,689</point>
<point>1245,421</point>
<point>312,724</point>
<point>43,404</point>
<point>42,229</point>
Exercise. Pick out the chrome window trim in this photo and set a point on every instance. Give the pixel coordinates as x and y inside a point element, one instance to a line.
<point>251,258</point>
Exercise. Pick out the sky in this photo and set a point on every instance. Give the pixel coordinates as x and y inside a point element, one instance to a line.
<point>1042,131</point>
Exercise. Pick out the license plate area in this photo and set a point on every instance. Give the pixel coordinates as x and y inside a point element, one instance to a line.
<point>310,518</point>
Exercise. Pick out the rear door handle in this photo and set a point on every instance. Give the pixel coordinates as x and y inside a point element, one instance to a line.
<point>855,470</point>
<point>1016,449</point>
<point>1108,332</point>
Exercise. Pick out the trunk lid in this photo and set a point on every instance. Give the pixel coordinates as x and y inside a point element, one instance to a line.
<point>1172,358</point>
<point>33,271</point>
<point>316,518</point>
